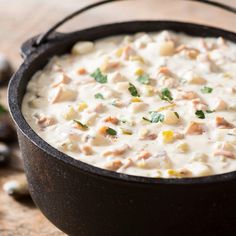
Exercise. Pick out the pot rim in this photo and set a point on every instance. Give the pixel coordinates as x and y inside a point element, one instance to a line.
<point>30,134</point>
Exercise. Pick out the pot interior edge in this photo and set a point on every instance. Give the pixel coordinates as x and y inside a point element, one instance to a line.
<point>61,45</point>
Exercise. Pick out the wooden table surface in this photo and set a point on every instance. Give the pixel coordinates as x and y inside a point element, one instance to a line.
<point>21,19</point>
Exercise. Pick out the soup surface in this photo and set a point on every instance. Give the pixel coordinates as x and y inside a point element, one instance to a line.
<point>157,105</point>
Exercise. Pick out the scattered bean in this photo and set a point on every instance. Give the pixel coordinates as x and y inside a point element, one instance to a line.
<point>17,188</point>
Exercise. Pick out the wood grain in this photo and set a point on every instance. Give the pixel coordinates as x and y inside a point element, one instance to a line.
<point>22,19</point>
<point>21,218</point>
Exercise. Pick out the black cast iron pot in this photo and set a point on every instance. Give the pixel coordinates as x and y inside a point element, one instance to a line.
<point>83,200</point>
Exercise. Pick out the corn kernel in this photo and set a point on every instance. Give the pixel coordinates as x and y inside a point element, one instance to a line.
<point>168,136</point>
<point>70,115</point>
<point>183,147</point>
<point>174,173</point>
<point>141,164</point>
<point>139,72</point>
<point>136,100</point>
<point>227,75</point>
<point>119,52</point>
<point>82,106</point>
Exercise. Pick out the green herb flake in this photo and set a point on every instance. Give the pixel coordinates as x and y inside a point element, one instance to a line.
<point>133,91</point>
<point>143,79</point>
<point>166,95</point>
<point>83,126</point>
<point>177,114</point>
<point>206,90</point>
<point>200,114</point>
<point>111,131</point>
<point>210,111</point>
<point>155,117</point>
<point>99,77</point>
<point>99,96</point>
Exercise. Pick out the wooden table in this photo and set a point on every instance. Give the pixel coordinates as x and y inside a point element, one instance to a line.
<point>21,19</point>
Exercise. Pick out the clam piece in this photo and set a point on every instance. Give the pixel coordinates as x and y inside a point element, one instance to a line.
<point>116,151</point>
<point>189,95</point>
<point>221,123</point>
<point>114,165</point>
<point>194,128</point>
<point>220,105</point>
<point>62,94</point>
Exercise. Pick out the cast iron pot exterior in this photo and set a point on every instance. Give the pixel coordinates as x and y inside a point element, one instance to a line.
<point>83,200</point>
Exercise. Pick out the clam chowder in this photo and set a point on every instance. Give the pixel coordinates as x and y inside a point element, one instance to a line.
<point>151,104</point>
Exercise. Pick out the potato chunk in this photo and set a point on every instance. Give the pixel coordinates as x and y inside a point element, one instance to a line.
<point>195,128</point>
<point>82,48</point>
<point>167,48</point>
<point>171,118</point>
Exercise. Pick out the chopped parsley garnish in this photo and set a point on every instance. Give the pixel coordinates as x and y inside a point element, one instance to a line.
<point>83,126</point>
<point>99,77</point>
<point>99,96</point>
<point>143,79</point>
<point>200,114</point>
<point>155,117</point>
<point>133,91</point>
<point>111,131</point>
<point>177,114</point>
<point>2,110</point>
<point>210,111</point>
<point>206,90</point>
<point>166,95</point>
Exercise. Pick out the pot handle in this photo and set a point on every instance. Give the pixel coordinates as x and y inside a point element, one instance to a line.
<point>45,36</point>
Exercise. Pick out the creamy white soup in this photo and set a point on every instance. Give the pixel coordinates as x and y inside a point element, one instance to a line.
<point>156,105</point>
